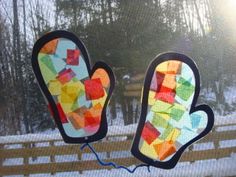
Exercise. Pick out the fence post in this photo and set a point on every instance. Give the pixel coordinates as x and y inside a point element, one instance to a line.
<point>26,159</point>
<point>108,154</point>
<point>191,149</point>
<point>216,141</point>
<point>79,156</point>
<point>52,157</point>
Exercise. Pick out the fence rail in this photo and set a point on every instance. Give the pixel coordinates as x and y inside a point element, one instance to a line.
<point>28,148</point>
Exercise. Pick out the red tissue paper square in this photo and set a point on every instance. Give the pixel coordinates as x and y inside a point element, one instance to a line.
<point>61,114</point>
<point>65,75</point>
<point>149,133</point>
<point>157,80</point>
<point>72,57</point>
<point>92,121</point>
<point>166,94</point>
<point>93,89</point>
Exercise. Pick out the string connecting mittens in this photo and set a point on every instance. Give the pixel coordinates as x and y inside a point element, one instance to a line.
<point>77,95</point>
<point>170,120</point>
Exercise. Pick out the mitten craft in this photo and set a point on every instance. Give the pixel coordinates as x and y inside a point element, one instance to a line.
<point>170,120</point>
<point>77,95</point>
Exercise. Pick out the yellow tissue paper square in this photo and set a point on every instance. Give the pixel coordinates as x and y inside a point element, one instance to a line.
<point>151,98</point>
<point>148,150</point>
<point>163,67</point>
<point>163,115</point>
<point>66,106</point>
<point>173,135</point>
<point>100,100</point>
<point>161,107</point>
<point>55,87</point>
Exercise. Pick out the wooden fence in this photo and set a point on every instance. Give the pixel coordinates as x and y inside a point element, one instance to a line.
<point>27,146</point>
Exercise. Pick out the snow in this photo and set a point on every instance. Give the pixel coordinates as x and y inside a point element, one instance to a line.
<point>230,94</point>
<point>29,138</point>
<point>203,146</point>
<point>112,131</point>
<point>115,130</point>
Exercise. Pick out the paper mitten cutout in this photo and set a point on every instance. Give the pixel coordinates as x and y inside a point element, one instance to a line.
<point>170,120</point>
<point>77,95</point>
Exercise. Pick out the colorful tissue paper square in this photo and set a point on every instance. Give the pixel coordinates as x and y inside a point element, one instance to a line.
<point>169,81</point>
<point>103,76</point>
<point>93,89</point>
<point>47,61</point>
<point>72,92</point>
<point>165,149</point>
<point>151,97</point>
<point>61,114</point>
<point>159,121</point>
<point>66,107</point>
<point>149,133</point>
<point>81,110</point>
<point>195,120</point>
<point>157,80</point>
<point>148,150</point>
<point>174,67</point>
<point>65,76</point>
<point>92,121</point>
<point>54,87</point>
<point>72,57</point>
<point>162,67</point>
<point>153,85</point>
<point>173,135</point>
<point>76,120</point>
<point>184,89</point>
<point>50,47</point>
<point>166,94</point>
<point>65,98</point>
<point>167,131</point>
<point>48,75</point>
<point>96,110</point>
<point>161,106</point>
<point>177,111</point>
<point>75,106</point>
<point>73,89</point>
<point>101,100</point>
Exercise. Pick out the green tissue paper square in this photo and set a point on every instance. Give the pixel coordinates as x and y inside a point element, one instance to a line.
<point>158,121</point>
<point>184,89</point>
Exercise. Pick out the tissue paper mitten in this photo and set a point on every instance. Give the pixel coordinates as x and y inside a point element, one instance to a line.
<point>170,120</point>
<point>77,95</point>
